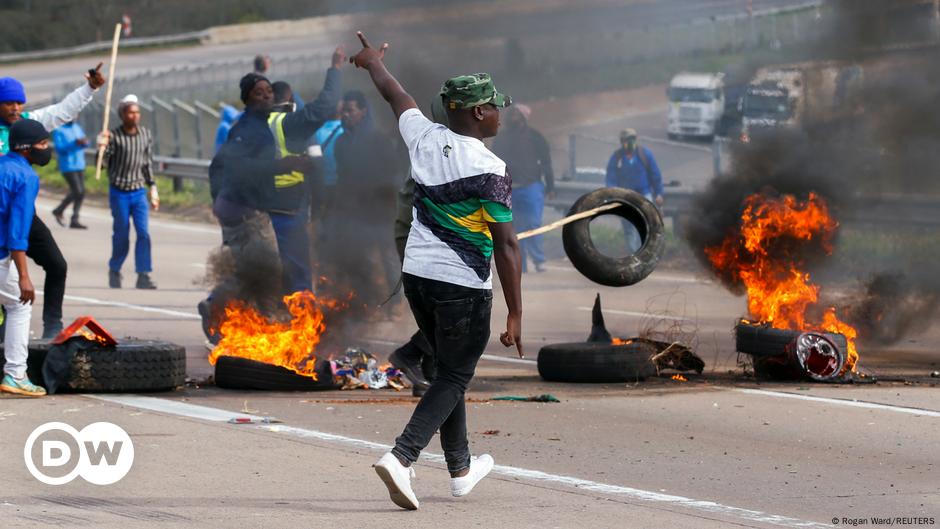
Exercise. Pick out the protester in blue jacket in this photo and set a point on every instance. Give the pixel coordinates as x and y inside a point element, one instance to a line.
<point>633,166</point>
<point>70,142</point>
<point>19,185</point>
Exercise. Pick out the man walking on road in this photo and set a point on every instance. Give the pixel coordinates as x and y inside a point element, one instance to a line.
<point>529,161</point>
<point>70,142</point>
<point>129,156</point>
<point>19,185</point>
<point>463,216</point>
<point>43,249</point>
<point>633,166</point>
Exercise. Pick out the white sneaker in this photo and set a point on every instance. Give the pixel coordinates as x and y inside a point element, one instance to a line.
<point>397,478</point>
<point>479,468</point>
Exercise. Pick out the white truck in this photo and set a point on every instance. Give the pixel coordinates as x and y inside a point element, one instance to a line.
<point>789,96</point>
<point>696,104</point>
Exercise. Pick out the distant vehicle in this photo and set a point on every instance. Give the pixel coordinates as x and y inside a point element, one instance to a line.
<point>696,104</point>
<point>791,95</point>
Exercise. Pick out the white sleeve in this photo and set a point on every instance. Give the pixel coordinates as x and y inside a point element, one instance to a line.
<point>413,125</point>
<point>52,116</point>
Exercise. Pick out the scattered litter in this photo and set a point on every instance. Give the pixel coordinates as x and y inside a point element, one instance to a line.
<point>490,432</point>
<point>554,439</point>
<point>358,369</point>
<point>538,398</point>
<point>250,420</point>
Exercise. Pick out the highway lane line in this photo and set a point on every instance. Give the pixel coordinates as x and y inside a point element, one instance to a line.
<point>841,402</point>
<point>494,358</point>
<point>665,278</point>
<point>634,313</point>
<point>206,413</point>
<point>121,304</point>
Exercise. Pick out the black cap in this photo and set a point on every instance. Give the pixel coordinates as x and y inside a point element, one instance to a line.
<point>248,82</point>
<point>25,133</point>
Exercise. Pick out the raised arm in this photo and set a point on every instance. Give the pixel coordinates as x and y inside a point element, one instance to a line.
<point>300,125</point>
<point>53,116</point>
<point>370,59</point>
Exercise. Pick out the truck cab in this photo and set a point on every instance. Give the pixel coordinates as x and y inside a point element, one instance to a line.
<point>696,104</point>
<point>772,100</point>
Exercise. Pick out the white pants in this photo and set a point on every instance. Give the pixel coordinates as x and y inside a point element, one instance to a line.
<point>16,339</point>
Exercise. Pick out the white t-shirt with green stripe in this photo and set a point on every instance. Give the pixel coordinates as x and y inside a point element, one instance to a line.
<point>460,186</point>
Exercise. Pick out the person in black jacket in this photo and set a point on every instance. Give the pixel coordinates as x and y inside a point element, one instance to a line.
<point>242,179</point>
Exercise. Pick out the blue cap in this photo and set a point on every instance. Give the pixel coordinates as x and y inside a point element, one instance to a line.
<point>11,90</point>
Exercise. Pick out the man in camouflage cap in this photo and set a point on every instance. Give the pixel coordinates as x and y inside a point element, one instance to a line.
<point>462,218</point>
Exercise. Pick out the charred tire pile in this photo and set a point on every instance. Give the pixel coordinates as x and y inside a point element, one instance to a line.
<point>596,362</point>
<point>133,365</point>
<point>233,372</point>
<point>768,347</point>
<point>615,271</point>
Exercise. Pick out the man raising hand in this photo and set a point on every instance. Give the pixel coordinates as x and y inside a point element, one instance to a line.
<point>462,217</point>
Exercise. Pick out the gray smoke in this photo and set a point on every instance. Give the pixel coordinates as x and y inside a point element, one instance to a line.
<point>886,141</point>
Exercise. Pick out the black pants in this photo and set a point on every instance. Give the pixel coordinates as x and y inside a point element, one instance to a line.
<point>44,251</point>
<point>456,321</point>
<point>76,181</point>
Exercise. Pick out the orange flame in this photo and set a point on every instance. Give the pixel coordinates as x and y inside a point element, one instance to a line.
<point>778,291</point>
<point>248,334</point>
<point>679,378</point>
<point>619,341</point>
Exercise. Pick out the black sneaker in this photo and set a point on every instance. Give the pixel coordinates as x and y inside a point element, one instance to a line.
<point>145,283</point>
<point>75,225</point>
<point>114,279</point>
<point>59,217</point>
<point>411,369</point>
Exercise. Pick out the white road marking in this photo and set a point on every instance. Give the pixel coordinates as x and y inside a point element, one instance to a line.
<point>183,409</point>
<point>164,224</point>
<point>665,278</point>
<point>841,402</point>
<point>509,359</point>
<point>485,357</point>
<point>141,308</point>
<point>634,313</point>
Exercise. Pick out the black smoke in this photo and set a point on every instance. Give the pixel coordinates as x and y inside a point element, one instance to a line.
<point>883,142</point>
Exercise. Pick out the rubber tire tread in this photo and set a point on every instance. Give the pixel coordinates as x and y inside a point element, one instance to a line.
<point>615,271</point>
<point>132,366</point>
<point>233,372</point>
<point>596,362</point>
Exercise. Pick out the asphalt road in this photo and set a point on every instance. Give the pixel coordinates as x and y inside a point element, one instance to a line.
<point>717,451</point>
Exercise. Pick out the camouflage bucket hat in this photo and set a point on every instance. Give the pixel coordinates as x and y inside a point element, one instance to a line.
<point>468,91</point>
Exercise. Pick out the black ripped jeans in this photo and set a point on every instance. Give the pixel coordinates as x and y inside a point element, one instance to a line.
<point>456,321</point>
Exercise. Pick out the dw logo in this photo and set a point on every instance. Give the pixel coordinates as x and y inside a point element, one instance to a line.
<point>102,453</point>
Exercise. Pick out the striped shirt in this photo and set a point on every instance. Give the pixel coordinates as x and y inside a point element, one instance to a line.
<point>460,188</point>
<point>128,158</point>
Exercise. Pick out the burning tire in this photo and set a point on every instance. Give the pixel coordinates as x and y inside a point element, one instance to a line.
<point>232,372</point>
<point>763,341</point>
<point>133,365</point>
<point>615,271</point>
<point>596,362</point>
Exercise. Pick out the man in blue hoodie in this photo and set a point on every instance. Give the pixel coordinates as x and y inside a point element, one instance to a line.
<point>230,115</point>
<point>633,166</point>
<point>19,185</point>
<point>70,142</point>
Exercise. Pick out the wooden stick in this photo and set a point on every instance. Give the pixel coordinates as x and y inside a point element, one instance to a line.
<point>568,220</point>
<point>107,97</point>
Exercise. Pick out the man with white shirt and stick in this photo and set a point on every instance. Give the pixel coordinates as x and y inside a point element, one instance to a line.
<point>462,217</point>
